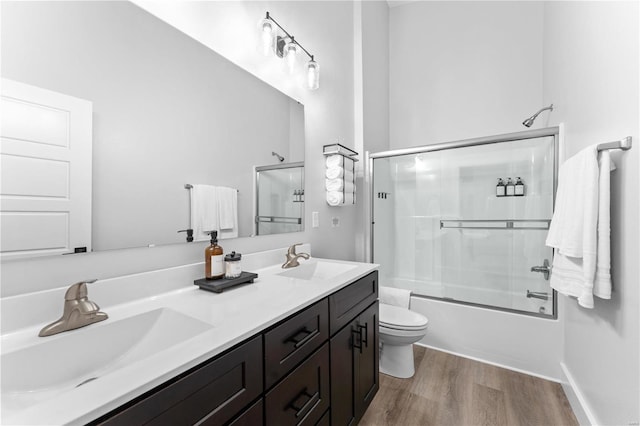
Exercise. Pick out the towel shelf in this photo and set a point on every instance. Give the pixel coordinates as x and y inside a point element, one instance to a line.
<point>499,224</point>
<point>279,219</point>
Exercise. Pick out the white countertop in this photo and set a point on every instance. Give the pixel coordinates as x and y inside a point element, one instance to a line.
<point>234,315</point>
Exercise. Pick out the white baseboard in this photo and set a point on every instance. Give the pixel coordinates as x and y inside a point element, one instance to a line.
<point>484,361</point>
<point>580,407</point>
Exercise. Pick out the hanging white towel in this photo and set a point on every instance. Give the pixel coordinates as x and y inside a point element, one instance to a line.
<point>394,296</point>
<point>337,198</point>
<point>575,232</point>
<point>339,185</point>
<point>227,212</point>
<point>204,211</point>
<point>602,283</point>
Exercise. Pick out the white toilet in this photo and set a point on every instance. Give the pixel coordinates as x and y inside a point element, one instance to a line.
<point>399,329</point>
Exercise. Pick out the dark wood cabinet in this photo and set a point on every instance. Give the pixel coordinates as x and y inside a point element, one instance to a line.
<point>215,392</point>
<point>293,340</point>
<point>354,367</point>
<point>317,367</point>
<point>303,396</point>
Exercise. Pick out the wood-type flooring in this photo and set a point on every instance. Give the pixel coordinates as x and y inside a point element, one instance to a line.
<point>456,391</point>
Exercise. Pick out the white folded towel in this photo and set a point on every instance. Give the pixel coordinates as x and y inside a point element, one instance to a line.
<point>394,296</point>
<point>337,160</point>
<point>338,172</point>
<point>227,212</point>
<point>334,160</point>
<point>337,198</point>
<point>204,211</point>
<point>574,230</point>
<point>339,185</point>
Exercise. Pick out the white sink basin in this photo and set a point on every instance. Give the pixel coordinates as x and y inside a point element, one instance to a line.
<point>71,359</point>
<point>317,270</point>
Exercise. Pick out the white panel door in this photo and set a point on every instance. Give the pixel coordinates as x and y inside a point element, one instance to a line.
<point>45,160</point>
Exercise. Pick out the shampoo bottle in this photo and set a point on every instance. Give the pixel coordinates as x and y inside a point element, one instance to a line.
<point>510,188</point>
<point>500,188</point>
<point>519,188</point>
<point>213,259</point>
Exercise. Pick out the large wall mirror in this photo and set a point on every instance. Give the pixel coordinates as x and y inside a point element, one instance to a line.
<point>166,111</point>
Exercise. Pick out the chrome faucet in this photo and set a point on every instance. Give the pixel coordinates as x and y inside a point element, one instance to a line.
<point>78,311</point>
<point>292,257</point>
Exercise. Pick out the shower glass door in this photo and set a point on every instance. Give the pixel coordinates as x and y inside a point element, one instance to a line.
<point>279,199</point>
<point>440,230</point>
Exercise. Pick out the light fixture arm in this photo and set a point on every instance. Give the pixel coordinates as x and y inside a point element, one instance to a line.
<point>293,40</point>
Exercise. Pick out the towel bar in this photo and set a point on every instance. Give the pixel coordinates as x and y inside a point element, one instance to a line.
<point>623,144</point>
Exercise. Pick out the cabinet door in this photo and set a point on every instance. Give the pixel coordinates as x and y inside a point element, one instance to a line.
<point>367,359</point>
<point>343,409</point>
<point>354,367</point>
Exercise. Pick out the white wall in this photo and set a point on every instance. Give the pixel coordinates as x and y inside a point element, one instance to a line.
<point>591,75</point>
<point>460,70</point>
<point>229,27</point>
<point>374,102</point>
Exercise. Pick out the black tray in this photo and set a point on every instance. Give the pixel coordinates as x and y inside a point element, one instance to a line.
<point>218,286</point>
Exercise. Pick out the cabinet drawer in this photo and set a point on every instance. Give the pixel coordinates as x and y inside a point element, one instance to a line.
<point>251,417</point>
<point>303,397</point>
<point>347,303</point>
<point>289,343</point>
<point>214,392</point>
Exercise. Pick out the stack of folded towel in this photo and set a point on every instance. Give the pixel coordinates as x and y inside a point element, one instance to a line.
<point>580,229</point>
<point>340,180</point>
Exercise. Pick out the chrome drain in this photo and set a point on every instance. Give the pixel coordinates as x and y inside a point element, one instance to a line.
<point>86,381</point>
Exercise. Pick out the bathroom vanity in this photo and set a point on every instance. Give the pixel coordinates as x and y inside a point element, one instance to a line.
<point>298,346</point>
<point>320,367</point>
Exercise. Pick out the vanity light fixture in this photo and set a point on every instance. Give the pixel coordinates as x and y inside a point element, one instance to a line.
<point>276,40</point>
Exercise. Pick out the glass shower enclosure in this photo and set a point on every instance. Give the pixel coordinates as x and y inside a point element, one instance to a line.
<point>441,228</point>
<point>279,198</point>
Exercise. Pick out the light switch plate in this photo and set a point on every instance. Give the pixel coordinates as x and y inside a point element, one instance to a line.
<point>315,221</point>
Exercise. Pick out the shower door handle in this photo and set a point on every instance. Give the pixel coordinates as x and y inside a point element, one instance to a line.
<point>545,269</point>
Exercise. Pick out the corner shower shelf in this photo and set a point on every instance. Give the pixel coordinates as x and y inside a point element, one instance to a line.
<point>499,224</point>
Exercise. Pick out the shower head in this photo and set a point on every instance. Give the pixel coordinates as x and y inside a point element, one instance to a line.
<point>281,158</point>
<point>529,121</point>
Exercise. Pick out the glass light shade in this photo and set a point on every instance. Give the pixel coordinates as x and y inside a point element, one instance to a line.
<point>313,75</point>
<point>267,33</point>
<point>291,56</point>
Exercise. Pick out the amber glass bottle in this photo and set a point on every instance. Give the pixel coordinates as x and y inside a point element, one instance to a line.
<point>213,259</point>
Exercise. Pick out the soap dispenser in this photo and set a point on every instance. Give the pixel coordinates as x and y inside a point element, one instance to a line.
<point>213,259</point>
<point>510,187</point>
<point>519,187</point>
<point>500,188</point>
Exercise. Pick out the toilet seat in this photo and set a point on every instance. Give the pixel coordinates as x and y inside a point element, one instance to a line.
<point>397,318</point>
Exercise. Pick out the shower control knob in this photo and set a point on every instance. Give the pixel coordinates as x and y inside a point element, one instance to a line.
<point>545,269</point>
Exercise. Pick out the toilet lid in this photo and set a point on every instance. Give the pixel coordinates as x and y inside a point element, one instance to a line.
<point>400,318</point>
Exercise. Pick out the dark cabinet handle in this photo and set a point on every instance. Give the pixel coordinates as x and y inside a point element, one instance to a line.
<point>357,338</point>
<point>295,404</point>
<point>308,336</point>
<point>365,340</point>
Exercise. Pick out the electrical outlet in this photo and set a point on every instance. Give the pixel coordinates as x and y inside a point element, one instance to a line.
<point>315,220</point>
